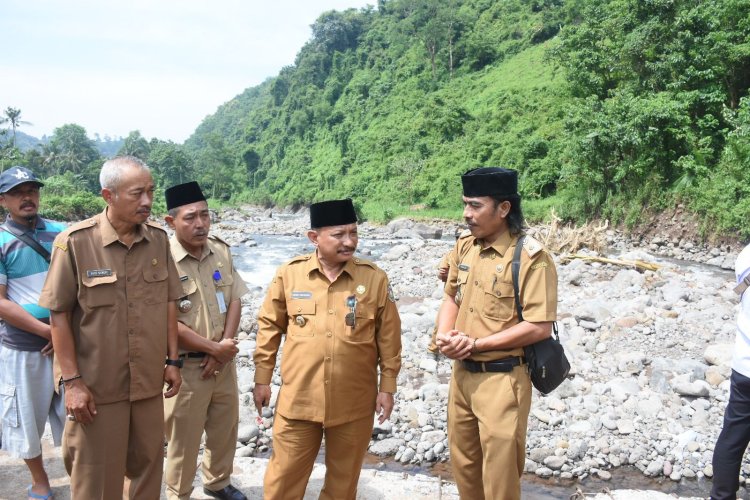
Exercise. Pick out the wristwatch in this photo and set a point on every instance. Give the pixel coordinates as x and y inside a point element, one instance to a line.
<point>174,362</point>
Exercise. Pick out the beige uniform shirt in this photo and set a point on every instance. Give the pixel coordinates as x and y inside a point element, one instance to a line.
<point>482,285</point>
<point>329,370</point>
<point>209,297</point>
<point>118,299</point>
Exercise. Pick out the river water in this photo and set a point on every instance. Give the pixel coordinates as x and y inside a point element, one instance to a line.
<point>257,265</point>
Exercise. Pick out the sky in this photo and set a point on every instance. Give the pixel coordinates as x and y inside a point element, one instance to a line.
<point>157,66</point>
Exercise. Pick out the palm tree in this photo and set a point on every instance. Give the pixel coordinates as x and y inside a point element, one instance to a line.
<point>13,116</point>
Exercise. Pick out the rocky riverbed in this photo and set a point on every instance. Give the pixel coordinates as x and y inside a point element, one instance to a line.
<point>650,352</point>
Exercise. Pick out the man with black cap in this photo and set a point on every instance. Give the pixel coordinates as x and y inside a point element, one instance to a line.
<point>341,323</point>
<point>26,375</point>
<point>478,326</point>
<point>112,289</point>
<point>208,317</point>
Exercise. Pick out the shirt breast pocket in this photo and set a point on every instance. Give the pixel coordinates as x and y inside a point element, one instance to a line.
<point>364,324</point>
<point>301,318</point>
<point>190,293</point>
<point>225,286</point>
<point>100,291</point>
<point>155,285</point>
<point>499,302</point>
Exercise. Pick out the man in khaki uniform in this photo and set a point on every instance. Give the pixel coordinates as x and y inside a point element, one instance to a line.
<point>341,323</point>
<point>490,390</point>
<point>111,289</point>
<point>208,317</point>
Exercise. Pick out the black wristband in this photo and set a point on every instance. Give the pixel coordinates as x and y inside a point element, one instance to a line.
<point>74,377</point>
<point>174,362</point>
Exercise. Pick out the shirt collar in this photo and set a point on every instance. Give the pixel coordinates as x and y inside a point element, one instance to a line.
<point>502,243</point>
<point>179,252</point>
<point>313,264</point>
<point>109,235</point>
<point>40,226</point>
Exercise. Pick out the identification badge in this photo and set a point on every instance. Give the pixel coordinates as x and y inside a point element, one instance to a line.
<point>222,304</point>
<point>98,273</point>
<point>185,305</point>
<point>463,267</point>
<point>301,295</point>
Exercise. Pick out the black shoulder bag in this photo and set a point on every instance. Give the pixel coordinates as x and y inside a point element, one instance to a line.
<point>548,366</point>
<point>35,245</point>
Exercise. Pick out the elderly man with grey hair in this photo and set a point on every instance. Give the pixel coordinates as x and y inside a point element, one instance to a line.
<point>111,290</point>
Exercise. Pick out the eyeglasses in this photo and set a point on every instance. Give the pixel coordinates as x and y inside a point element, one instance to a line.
<point>351,303</point>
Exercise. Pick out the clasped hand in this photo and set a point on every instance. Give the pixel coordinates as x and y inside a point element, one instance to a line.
<point>454,344</point>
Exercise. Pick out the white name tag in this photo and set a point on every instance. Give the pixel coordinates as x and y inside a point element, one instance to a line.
<point>222,304</point>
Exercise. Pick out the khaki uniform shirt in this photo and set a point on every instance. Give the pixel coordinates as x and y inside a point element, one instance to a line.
<point>118,298</point>
<point>329,370</point>
<point>206,316</point>
<point>482,285</point>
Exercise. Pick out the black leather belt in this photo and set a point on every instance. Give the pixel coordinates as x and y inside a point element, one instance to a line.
<point>499,365</point>
<point>193,355</point>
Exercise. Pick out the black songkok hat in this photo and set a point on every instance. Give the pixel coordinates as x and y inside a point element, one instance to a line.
<point>332,213</point>
<point>490,181</point>
<point>183,194</point>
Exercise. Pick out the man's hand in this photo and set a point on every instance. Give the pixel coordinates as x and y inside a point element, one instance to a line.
<point>211,367</point>
<point>384,406</point>
<point>173,379</point>
<point>47,350</point>
<point>79,402</point>
<point>226,350</point>
<point>455,345</point>
<point>443,274</point>
<point>262,396</point>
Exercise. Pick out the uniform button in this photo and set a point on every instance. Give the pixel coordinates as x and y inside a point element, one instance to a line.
<point>130,331</point>
<point>130,279</point>
<point>299,309</point>
<point>130,304</point>
<point>328,358</point>
<point>326,382</point>
<point>476,282</point>
<point>328,334</point>
<point>330,311</point>
<point>471,309</point>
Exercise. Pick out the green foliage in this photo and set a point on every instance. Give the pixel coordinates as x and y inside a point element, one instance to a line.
<point>64,200</point>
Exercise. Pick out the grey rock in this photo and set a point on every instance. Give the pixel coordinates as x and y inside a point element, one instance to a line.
<point>386,447</point>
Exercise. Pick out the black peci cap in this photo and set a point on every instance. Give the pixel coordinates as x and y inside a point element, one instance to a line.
<point>332,213</point>
<point>183,194</point>
<point>490,181</point>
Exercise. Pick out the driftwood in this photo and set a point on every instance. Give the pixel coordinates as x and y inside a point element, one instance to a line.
<point>637,264</point>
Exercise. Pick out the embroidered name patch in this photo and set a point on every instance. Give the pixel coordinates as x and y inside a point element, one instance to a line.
<point>539,265</point>
<point>98,273</point>
<point>301,295</point>
<point>463,267</point>
<point>184,278</point>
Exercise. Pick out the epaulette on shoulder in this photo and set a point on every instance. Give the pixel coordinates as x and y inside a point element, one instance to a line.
<point>532,246</point>
<point>464,234</point>
<point>155,225</point>
<point>364,262</point>
<point>214,237</point>
<point>84,224</point>
<point>299,258</point>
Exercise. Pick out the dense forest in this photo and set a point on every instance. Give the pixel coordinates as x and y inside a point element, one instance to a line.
<point>607,108</point>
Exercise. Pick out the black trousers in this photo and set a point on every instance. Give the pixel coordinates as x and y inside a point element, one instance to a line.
<point>733,440</point>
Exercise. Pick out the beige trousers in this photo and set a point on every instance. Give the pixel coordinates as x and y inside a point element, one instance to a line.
<point>211,405</point>
<point>487,419</point>
<point>296,444</point>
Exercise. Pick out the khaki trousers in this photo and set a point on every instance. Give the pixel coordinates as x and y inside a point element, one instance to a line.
<point>120,454</point>
<point>295,446</point>
<point>487,419</point>
<point>211,404</point>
